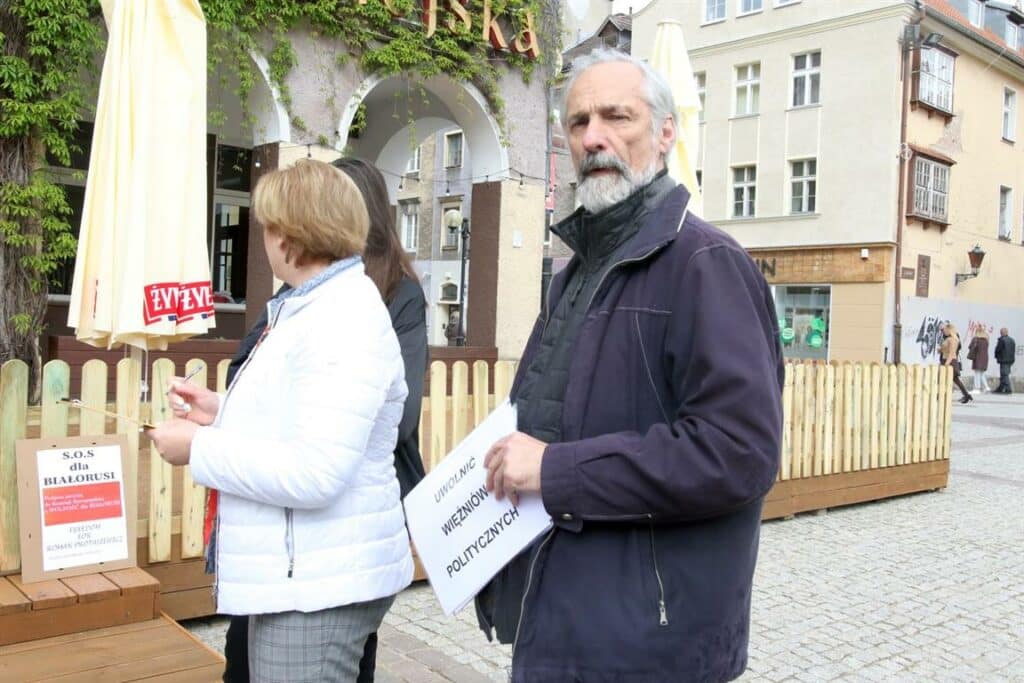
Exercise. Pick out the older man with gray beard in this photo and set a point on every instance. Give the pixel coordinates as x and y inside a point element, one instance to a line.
<point>649,404</point>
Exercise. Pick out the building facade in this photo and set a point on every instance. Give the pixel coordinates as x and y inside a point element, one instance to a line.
<point>819,127</point>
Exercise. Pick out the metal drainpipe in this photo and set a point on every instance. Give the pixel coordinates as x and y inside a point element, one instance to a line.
<point>907,52</point>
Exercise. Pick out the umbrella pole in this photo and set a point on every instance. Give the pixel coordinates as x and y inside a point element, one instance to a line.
<point>142,356</point>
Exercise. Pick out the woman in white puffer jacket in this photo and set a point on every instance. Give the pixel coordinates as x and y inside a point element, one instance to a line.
<point>310,537</point>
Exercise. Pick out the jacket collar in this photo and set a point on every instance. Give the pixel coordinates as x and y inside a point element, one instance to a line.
<point>291,301</point>
<point>659,227</point>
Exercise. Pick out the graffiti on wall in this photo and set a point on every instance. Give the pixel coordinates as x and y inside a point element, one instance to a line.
<point>923,317</point>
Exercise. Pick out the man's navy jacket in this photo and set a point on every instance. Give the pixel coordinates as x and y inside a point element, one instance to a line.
<point>671,425</point>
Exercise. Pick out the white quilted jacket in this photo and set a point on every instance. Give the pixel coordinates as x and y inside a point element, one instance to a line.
<point>301,452</point>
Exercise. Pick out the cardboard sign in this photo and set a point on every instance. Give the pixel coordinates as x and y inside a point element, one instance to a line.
<point>77,508</point>
<point>462,534</point>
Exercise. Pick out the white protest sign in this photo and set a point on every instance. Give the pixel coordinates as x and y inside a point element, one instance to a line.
<point>82,506</point>
<point>462,534</point>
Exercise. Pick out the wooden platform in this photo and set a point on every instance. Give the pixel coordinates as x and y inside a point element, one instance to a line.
<point>52,608</point>
<point>157,651</point>
<point>835,490</point>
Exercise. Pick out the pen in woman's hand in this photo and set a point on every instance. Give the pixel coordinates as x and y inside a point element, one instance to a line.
<point>185,407</point>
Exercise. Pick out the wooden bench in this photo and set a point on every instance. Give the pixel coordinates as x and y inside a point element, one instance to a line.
<point>52,608</point>
<point>156,651</point>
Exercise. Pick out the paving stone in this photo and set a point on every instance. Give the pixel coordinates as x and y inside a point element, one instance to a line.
<point>925,587</point>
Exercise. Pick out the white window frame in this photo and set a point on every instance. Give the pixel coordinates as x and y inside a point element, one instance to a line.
<point>803,79</point>
<point>807,183</point>
<point>449,162</point>
<point>701,80</point>
<point>719,7</point>
<point>409,213</point>
<point>1005,213</point>
<point>755,7</point>
<point>413,165</point>
<point>748,187</point>
<point>936,79</point>
<point>1010,35</point>
<point>931,189</point>
<point>749,83</point>
<point>977,9</point>
<point>1009,114</point>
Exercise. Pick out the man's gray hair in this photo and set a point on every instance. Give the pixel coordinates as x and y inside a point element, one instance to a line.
<point>659,93</point>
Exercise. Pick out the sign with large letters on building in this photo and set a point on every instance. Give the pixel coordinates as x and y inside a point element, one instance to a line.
<point>77,506</point>
<point>463,536</point>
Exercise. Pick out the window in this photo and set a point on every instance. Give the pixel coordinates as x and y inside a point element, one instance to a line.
<point>1011,35</point>
<point>1005,206</point>
<point>744,191</point>
<point>702,81</point>
<point>1009,114</point>
<point>804,314</point>
<point>453,149</point>
<point>714,10</point>
<point>410,225</point>
<point>413,166</point>
<point>748,6</point>
<point>806,79</point>
<point>935,79</point>
<point>748,89</point>
<point>975,13</point>
<point>804,186</point>
<point>931,189</point>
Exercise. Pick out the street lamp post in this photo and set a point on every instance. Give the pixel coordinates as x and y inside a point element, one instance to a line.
<point>976,256</point>
<point>454,221</point>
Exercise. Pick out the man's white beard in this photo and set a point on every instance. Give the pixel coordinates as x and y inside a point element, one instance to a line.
<point>597,193</point>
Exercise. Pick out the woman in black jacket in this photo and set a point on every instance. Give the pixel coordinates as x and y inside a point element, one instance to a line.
<point>390,268</point>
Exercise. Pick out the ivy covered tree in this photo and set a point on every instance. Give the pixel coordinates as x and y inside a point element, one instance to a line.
<point>47,46</point>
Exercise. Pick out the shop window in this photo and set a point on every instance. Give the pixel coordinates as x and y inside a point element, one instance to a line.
<point>804,314</point>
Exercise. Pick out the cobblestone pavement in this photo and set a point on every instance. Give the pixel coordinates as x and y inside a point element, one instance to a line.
<point>926,587</point>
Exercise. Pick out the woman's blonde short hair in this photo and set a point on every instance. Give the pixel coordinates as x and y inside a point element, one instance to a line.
<point>316,208</point>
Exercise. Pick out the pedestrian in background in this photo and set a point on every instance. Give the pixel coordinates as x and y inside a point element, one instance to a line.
<point>949,354</point>
<point>1006,354</point>
<point>977,353</point>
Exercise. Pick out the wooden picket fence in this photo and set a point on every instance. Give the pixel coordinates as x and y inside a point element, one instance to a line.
<point>852,432</point>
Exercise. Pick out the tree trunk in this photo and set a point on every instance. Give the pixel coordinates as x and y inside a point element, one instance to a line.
<point>23,295</point>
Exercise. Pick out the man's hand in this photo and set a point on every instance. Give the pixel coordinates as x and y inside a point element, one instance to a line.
<point>513,466</point>
<point>173,439</point>
<point>193,402</point>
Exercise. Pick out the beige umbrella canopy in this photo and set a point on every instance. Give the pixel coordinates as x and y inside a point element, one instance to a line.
<point>142,276</point>
<point>672,61</point>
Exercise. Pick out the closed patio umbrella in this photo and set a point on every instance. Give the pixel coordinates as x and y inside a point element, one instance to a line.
<point>142,275</point>
<point>672,61</point>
